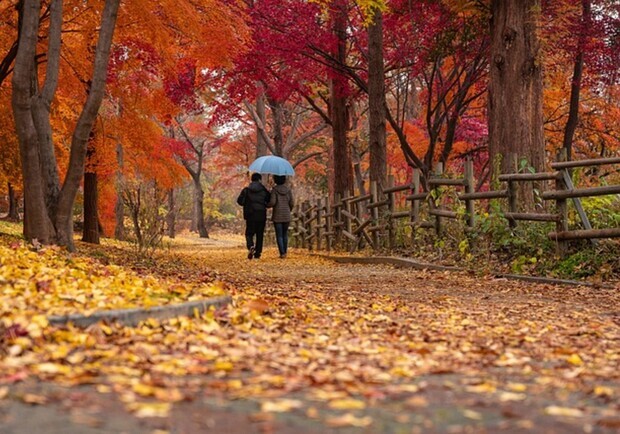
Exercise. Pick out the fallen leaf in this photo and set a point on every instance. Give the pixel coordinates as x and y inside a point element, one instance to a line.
<point>347,404</point>
<point>563,411</point>
<point>280,406</point>
<point>349,419</point>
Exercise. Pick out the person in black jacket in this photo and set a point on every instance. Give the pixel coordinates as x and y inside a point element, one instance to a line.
<point>254,199</point>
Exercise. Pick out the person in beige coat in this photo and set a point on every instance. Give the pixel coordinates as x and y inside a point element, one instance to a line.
<point>282,202</point>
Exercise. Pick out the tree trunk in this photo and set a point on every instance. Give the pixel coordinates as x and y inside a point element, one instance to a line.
<point>575,89</point>
<point>515,88</point>
<point>31,114</point>
<point>13,204</point>
<point>376,102</point>
<point>38,224</point>
<point>75,170</point>
<point>171,216</point>
<point>261,145</point>
<point>198,207</point>
<point>338,112</point>
<point>91,218</point>
<point>41,106</point>
<point>119,207</point>
<point>277,114</point>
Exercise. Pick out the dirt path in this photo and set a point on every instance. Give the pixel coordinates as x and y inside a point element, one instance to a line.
<point>312,347</point>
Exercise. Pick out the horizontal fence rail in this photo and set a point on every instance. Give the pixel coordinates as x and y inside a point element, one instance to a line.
<point>372,219</point>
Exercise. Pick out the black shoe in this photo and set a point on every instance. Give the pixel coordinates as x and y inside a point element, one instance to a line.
<point>251,253</point>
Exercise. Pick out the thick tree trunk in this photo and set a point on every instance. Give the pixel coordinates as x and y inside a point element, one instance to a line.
<point>198,207</point>
<point>75,171</point>
<point>515,88</point>
<point>376,102</point>
<point>13,204</point>
<point>37,225</point>
<point>41,107</point>
<point>575,89</point>
<point>338,112</point>
<point>91,216</point>
<point>171,216</point>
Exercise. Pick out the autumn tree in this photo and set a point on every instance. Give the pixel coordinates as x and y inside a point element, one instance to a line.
<point>49,206</point>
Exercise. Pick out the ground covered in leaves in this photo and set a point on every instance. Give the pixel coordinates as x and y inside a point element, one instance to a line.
<point>307,346</point>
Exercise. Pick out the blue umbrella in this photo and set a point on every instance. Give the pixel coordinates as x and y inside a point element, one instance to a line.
<point>272,165</point>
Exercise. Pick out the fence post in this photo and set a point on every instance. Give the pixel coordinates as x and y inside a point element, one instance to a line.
<point>319,215</point>
<point>304,220</point>
<point>470,188</point>
<point>512,192</point>
<point>415,205</point>
<point>374,198</point>
<point>337,223</point>
<point>347,223</point>
<point>561,206</point>
<point>328,224</point>
<point>391,209</point>
<point>435,189</point>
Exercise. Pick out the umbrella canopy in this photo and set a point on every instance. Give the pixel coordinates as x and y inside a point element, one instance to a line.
<point>272,165</point>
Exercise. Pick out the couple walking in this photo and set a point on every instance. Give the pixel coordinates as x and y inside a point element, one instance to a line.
<point>255,199</point>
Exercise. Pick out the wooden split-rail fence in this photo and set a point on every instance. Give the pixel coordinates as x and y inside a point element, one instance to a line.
<point>372,219</point>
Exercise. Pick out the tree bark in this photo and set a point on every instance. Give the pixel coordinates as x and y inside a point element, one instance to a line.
<point>41,107</point>
<point>277,113</point>
<point>515,88</point>
<point>119,207</point>
<point>376,102</point>
<point>75,170</point>
<point>90,233</point>
<point>338,111</point>
<point>261,145</point>
<point>13,204</point>
<point>575,88</point>
<point>38,224</point>
<point>198,203</point>
<point>171,216</point>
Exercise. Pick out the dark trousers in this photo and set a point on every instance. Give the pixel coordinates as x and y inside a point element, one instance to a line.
<point>255,228</point>
<point>282,236</point>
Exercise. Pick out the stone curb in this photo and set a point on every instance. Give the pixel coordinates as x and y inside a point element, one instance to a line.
<point>409,263</point>
<point>131,317</point>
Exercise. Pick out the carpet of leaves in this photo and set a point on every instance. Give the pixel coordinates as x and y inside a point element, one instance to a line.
<point>331,343</point>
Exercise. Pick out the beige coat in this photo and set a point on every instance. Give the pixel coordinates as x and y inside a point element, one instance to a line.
<point>282,202</point>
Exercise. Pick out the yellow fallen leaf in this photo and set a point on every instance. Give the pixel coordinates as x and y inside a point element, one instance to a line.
<point>575,360</point>
<point>347,404</point>
<point>554,410</point>
<point>4,391</point>
<point>603,391</point>
<point>143,389</point>
<point>349,419</point>
<point>481,388</point>
<point>511,396</point>
<point>516,387</point>
<point>150,409</point>
<point>280,406</point>
<point>223,365</point>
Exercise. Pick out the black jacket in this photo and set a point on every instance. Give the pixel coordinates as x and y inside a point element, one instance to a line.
<point>254,199</point>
